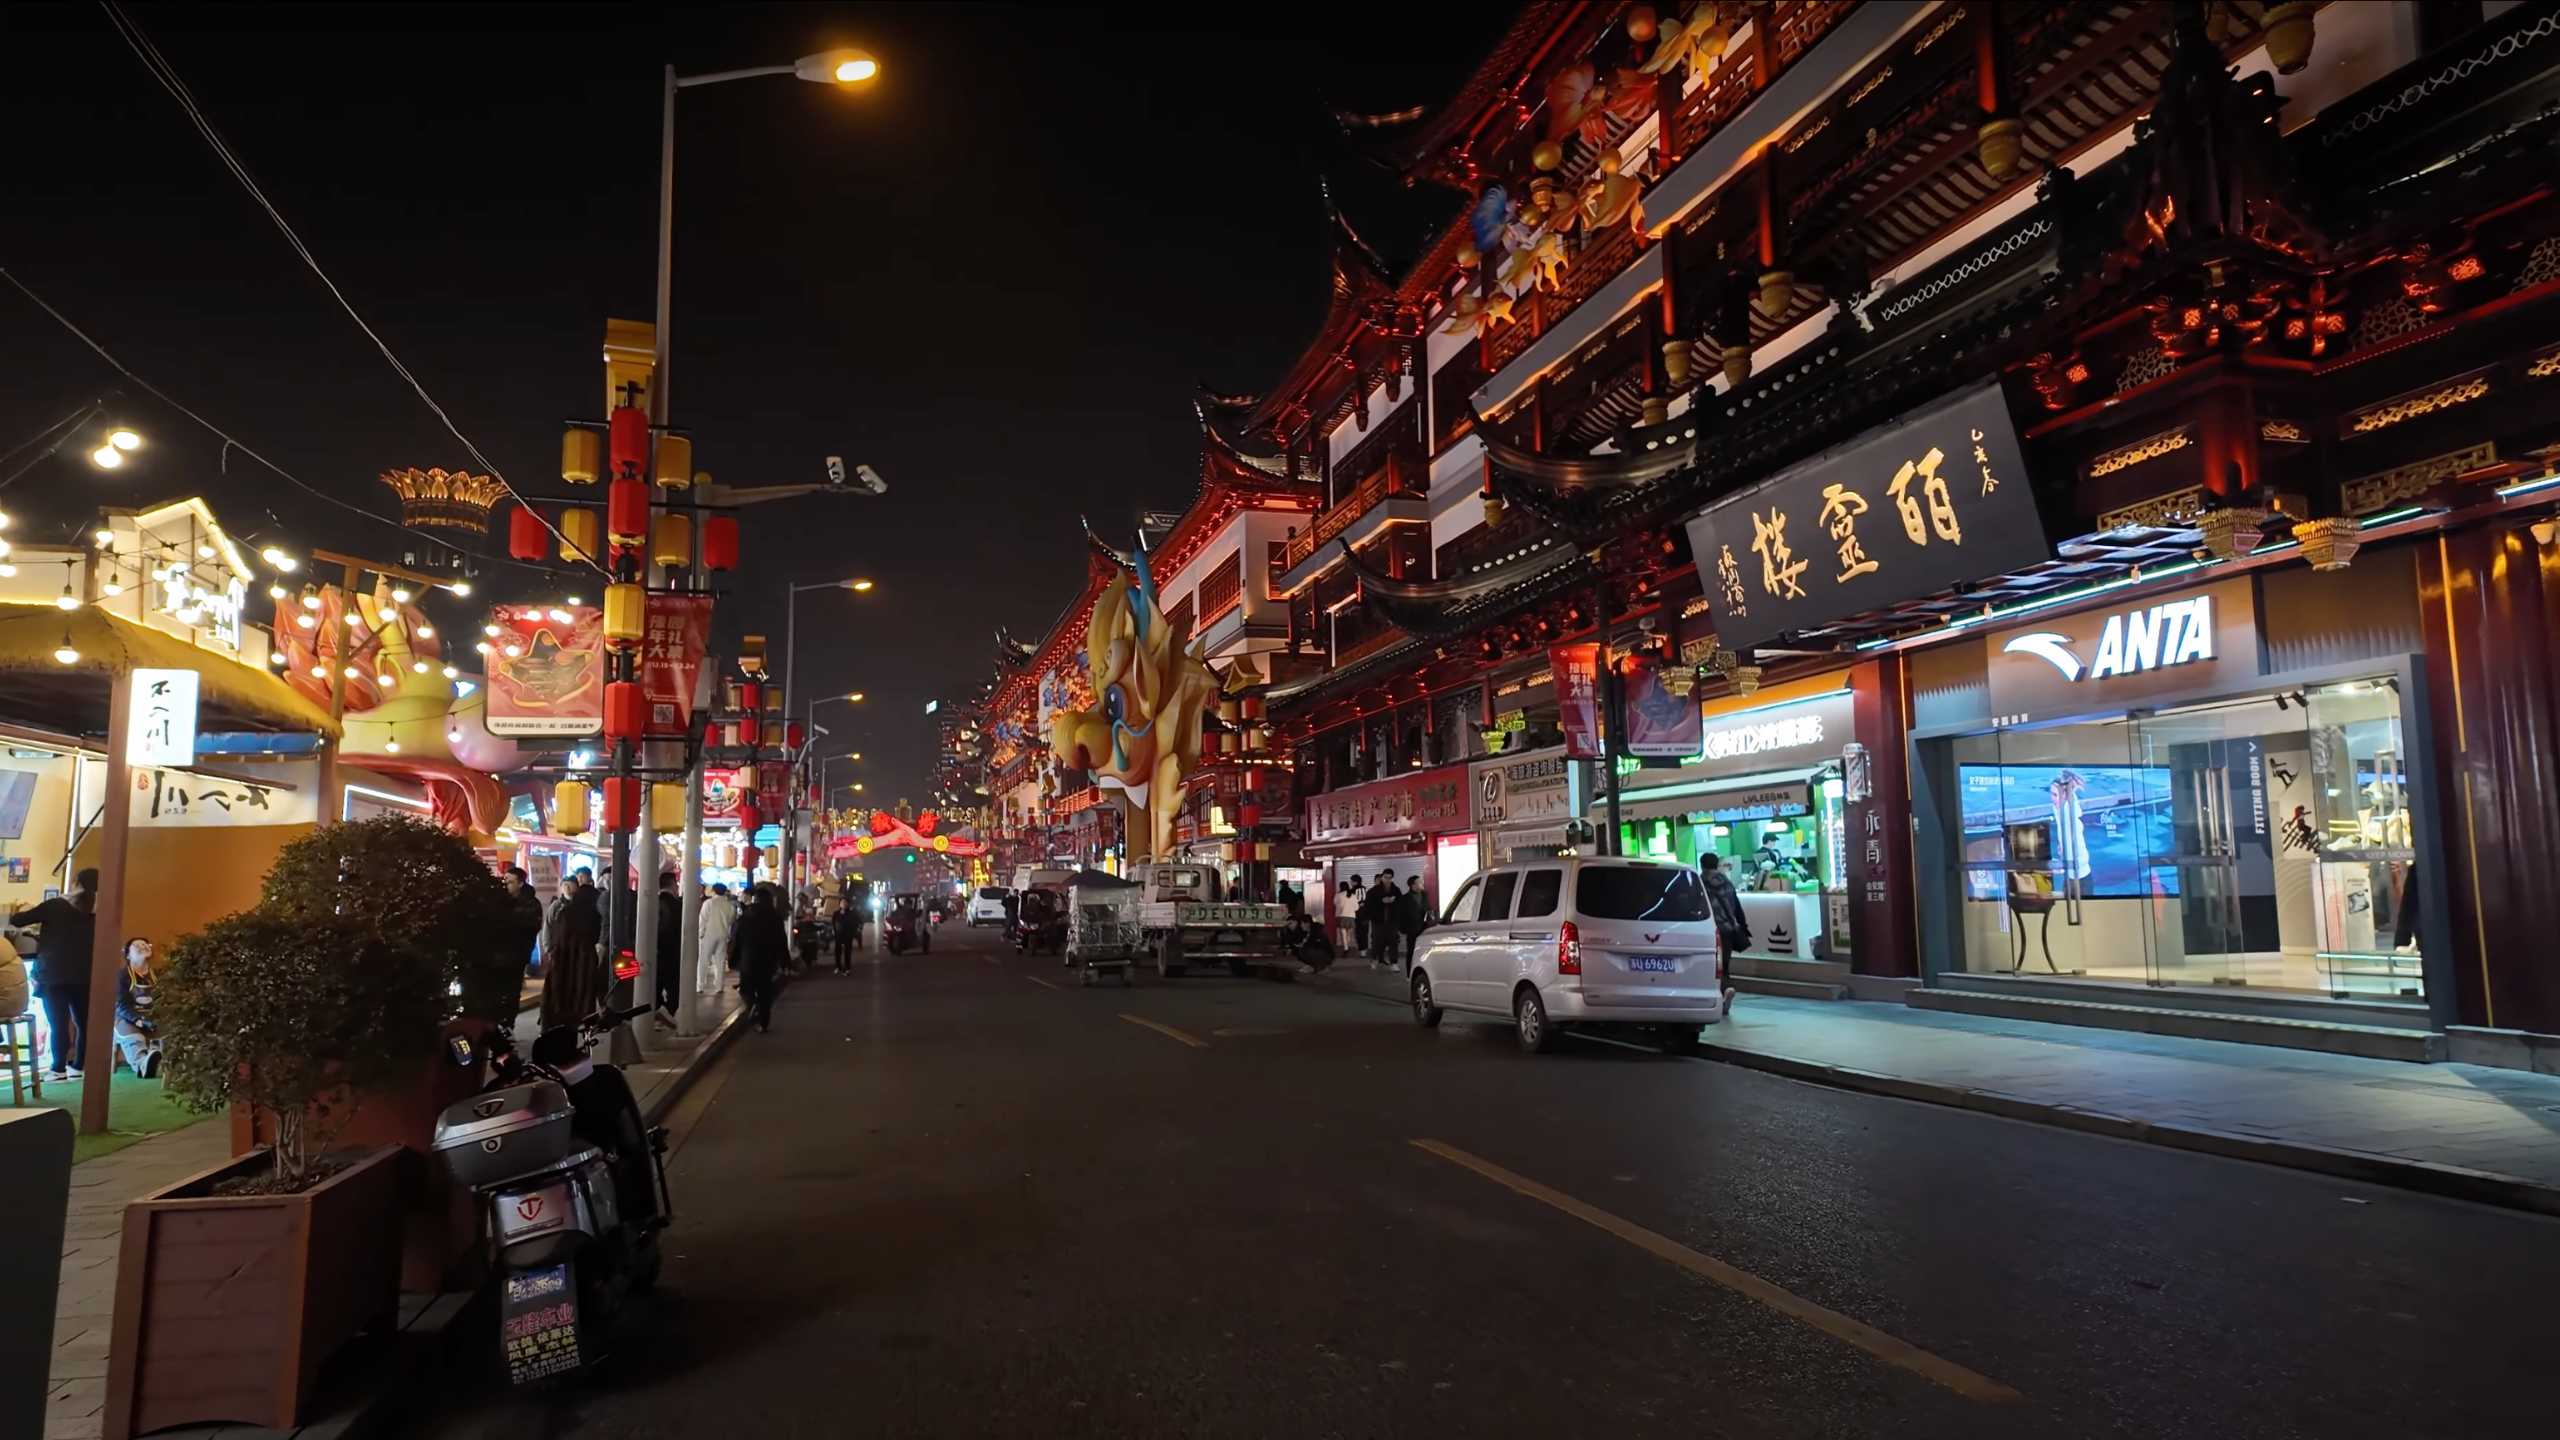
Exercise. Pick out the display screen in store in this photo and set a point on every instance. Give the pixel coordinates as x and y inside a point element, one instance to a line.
<point>2125,823</point>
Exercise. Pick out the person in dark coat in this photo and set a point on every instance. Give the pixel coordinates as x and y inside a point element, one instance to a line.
<point>67,930</point>
<point>1413,912</point>
<point>1379,905</point>
<point>573,958</point>
<point>524,920</point>
<point>763,945</point>
<point>670,946</point>
<point>1724,905</point>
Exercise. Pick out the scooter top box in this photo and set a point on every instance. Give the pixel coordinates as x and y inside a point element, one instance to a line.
<point>502,1134</point>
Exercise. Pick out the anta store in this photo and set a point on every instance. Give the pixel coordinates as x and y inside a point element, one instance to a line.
<point>2221,788</point>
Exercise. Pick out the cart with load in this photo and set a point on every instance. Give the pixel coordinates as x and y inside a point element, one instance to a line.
<point>1104,933</point>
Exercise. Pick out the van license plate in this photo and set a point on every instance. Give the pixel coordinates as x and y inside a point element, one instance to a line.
<point>1663,963</point>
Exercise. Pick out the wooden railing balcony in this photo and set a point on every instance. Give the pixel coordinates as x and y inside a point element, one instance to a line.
<point>1397,479</point>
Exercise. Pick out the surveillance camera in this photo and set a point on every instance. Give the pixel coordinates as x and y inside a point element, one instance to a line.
<point>870,480</point>
<point>835,469</point>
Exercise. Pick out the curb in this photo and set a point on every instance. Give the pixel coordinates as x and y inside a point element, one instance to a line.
<point>2452,1181</point>
<point>703,1054</point>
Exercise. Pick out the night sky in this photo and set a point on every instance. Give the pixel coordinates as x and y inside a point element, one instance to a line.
<point>994,275</point>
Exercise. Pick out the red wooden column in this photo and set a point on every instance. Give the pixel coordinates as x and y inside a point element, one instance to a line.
<point>2490,599</point>
<point>1879,859</point>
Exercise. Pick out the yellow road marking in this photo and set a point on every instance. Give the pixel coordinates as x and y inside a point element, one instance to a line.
<point>1892,1351</point>
<point>1185,1036</point>
<point>1036,980</point>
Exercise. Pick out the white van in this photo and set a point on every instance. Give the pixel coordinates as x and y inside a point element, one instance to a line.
<point>1573,942</point>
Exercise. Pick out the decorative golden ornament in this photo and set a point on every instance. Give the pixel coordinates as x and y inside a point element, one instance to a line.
<point>1777,288</point>
<point>1999,144</point>
<point>1469,257</point>
<point>1643,25</point>
<point>2288,28</point>
<point>1656,410</point>
<point>1675,362</point>
<point>2233,530</point>
<point>1542,192</point>
<point>2329,544</point>
<point>1546,155</point>
<point>1746,679</point>
<point>1737,364</point>
<point>1492,511</point>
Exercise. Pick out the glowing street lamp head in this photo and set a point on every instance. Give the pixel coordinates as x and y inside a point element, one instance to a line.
<point>857,585</point>
<point>107,457</point>
<point>837,67</point>
<point>123,439</point>
<point>855,697</point>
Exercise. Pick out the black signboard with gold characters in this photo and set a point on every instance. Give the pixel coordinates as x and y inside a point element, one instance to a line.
<point>1906,510</point>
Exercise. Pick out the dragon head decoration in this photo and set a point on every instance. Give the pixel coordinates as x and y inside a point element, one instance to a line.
<point>1143,738</point>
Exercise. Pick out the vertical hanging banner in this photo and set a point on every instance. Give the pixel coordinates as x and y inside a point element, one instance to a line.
<point>1658,722</point>
<point>163,720</point>
<point>1577,672</point>
<point>546,671</point>
<point>672,642</point>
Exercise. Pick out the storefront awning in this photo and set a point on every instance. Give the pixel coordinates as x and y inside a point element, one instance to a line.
<point>1703,794</point>
<point>73,698</point>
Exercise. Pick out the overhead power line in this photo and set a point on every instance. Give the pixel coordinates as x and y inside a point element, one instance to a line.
<point>149,54</point>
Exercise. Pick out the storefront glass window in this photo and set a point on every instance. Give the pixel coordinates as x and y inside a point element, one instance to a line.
<point>2261,843</point>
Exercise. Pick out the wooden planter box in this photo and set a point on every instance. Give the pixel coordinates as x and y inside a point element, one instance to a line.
<point>228,1306</point>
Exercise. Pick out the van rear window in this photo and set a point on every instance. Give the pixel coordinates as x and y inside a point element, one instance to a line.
<point>1640,892</point>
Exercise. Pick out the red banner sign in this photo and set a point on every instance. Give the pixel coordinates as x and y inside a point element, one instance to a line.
<point>1658,722</point>
<point>676,633</point>
<point>1428,802</point>
<point>1577,671</point>
<point>546,671</point>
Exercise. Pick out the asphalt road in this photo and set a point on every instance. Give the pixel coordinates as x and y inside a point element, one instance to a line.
<point>955,1195</point>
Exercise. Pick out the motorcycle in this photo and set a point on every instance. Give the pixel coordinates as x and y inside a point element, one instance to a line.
<point>571,1185</point>
<point>906,927</point>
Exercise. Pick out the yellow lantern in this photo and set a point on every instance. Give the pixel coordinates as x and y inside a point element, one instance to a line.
<point>625,614</point>
<point>581,456</point>
<point>675,463</point>
<point>671,539</point>
<point>666,807</point>
<point>578,535</point>
<point>728,857</point>
<point>941,842</point>
<point>745,780</point>
<point>1227,851</point>
<point>569,807</point>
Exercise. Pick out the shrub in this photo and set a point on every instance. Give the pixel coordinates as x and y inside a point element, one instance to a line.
<point>293,1016</point>
<point>411,885</point>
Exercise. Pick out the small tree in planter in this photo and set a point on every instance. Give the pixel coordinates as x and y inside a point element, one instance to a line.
<point>413,885</point>
<point>294,1019</point>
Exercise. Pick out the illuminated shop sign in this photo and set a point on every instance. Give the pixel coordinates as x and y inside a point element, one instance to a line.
<point>2174,632</point>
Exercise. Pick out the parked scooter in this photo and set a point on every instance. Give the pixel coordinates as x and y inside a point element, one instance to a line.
<point>572,1187</point>
<point>1039,923</point>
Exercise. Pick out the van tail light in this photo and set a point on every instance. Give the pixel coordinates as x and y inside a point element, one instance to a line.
<point>1568,950</point>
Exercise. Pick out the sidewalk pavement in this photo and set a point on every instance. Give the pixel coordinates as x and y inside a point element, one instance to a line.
<point>84,1307</point>
<point>2467,1131</point>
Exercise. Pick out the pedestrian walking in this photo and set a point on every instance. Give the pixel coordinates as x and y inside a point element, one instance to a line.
<point>764,944</point>
<point>670,947</point>
<point>1348,932</point>
<point>67,928</point>
<point>572,956</point>
<point>1380,909</point>
<point>137,1036</point>
<point>1413,912</point>
<point>840,922</point>
<point>524,925</point>
<point>1724,905</point>
<point>719,921</point>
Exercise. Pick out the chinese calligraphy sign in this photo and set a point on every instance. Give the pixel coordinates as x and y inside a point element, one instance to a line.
<point>1907,510</point>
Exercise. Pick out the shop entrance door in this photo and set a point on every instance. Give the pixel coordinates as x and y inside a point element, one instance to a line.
<point>2208,843</point>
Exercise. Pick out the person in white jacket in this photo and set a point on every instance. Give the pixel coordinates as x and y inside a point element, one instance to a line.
<point>719,922</point>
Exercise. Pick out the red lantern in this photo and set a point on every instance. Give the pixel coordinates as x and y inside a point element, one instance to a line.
<point>751,856</point>
<point>720,542</point>
<point>792,735</point>
<point>526,539</point>
<point>630,442</point>
<point>626,512</point>
<point>621,802</point>
<point>1248,816</point>
<point>750,816</point>
<point>625,710</point>
<point>750,696</point>
<point>750,728</point>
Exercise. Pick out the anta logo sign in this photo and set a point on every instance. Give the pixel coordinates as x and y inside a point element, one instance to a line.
<point>2175,632</point>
